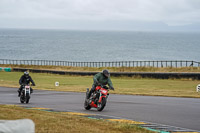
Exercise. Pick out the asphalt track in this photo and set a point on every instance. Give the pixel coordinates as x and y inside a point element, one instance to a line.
<point>178,112</point>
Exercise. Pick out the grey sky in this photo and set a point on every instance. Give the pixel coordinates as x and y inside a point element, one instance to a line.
<point>99,14</point>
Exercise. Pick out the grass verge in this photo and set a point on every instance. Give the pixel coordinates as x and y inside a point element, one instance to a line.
<point>123,85</point>
<point>112,69</point>
<point>54,122</point>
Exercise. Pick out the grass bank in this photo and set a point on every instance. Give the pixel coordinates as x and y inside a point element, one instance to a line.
<point>112,69</point>
<point>123,85</point>
<point>54,122</point>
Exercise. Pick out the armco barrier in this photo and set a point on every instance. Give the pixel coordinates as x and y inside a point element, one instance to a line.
<point>157,75</point>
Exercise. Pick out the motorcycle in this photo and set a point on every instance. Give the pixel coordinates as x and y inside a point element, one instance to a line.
<point>97,99</point>
<point>25,94</point>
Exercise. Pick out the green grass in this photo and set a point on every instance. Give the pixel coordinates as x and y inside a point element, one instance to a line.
<point>123,85</point>
<point>55,122</point>
<point>112,69</point>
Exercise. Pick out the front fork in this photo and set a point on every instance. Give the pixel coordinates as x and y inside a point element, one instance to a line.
<point>101,96</point>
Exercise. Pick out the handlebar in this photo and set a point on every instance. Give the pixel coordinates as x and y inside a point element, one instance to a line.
<point>27,84</point>
<point>104,86</point>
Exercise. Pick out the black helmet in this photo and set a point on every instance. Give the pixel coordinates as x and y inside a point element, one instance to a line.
<point>26,73</point>
<point>106,73</point>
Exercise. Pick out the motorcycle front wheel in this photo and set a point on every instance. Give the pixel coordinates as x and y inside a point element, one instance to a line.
<point>102,104</point>
<point>27,98</point>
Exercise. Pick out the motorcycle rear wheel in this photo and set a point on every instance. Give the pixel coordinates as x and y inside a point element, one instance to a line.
<point>86,105</point>
<point>22,99</point>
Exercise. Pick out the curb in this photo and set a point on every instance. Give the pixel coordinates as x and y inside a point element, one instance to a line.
<point>149,126</point>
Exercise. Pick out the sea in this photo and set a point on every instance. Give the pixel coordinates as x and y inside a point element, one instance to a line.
<point>98,46</point>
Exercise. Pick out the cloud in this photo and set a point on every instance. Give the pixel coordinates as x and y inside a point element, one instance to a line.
<point>170,12</point>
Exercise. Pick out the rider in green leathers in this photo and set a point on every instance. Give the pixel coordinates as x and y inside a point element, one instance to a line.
<point>102,78</point>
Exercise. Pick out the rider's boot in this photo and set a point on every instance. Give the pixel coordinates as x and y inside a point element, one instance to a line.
<point>31,90</point>
<point>89,94</point>
<point>19,93</point>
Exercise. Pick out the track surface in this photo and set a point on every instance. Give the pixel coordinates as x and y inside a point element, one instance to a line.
<point>179,112</point>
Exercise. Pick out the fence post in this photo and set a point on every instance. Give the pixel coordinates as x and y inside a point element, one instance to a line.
<point>192,63</point>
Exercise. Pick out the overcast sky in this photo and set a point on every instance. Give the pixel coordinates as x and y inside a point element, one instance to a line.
<point>101,14</point>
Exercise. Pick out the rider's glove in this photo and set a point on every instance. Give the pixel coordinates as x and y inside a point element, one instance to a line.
<point>97,83</point>
<point>112,88</point>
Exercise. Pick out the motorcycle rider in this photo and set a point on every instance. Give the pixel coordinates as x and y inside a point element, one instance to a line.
<point>102,78</point>
<point>24,80</point>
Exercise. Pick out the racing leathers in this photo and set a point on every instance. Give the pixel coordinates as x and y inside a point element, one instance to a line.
<point>100,79</point>
<point>25,80</point>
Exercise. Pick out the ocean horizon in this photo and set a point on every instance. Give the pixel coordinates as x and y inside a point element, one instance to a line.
<point>89,46</point>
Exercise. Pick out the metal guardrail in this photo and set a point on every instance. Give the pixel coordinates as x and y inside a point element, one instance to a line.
<point>176,63</point>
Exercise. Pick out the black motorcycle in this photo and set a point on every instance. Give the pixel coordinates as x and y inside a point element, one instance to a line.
<point>25,94</point>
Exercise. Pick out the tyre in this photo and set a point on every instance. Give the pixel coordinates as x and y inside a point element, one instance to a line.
<point>86,105</point>
<point>27,98</point>
<point>22,98</point>
<point>100,106</point>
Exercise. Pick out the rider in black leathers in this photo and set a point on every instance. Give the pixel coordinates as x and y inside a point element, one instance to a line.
<point>25,80</point>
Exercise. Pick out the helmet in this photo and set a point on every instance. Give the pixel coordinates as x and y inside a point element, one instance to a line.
<point>26,73</point>
<point>106,73</point>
